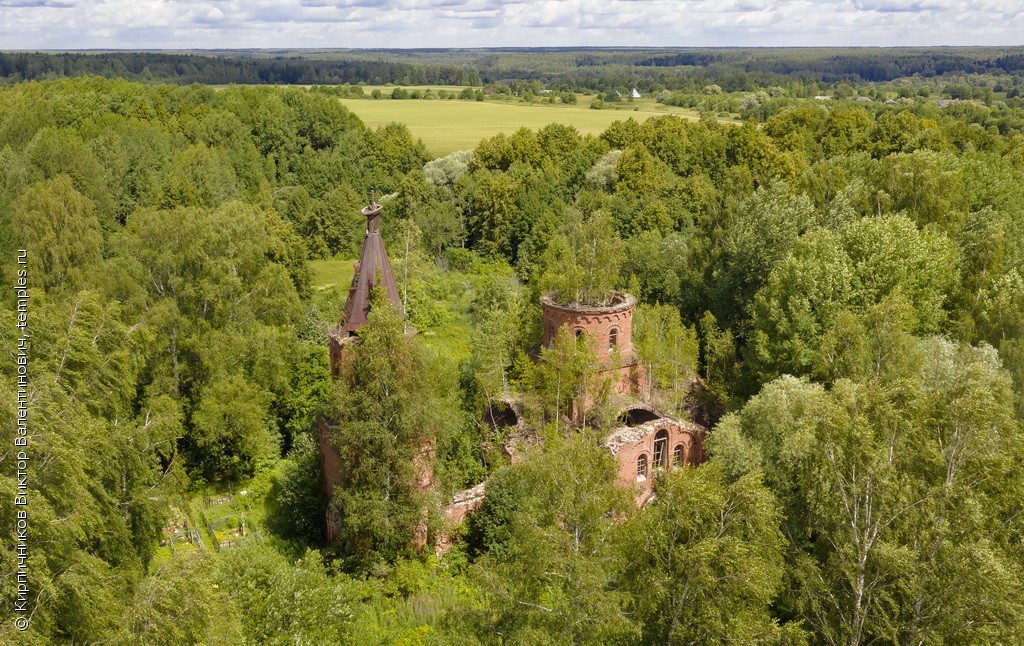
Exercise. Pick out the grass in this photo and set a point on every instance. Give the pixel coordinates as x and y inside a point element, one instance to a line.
<point>333,275</point>
<point>446,126</point>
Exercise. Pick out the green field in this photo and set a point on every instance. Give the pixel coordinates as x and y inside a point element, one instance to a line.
<point>333,275</point>
<point>447,126</point>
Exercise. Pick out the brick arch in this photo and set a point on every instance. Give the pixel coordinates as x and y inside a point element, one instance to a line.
<point>693,440</point>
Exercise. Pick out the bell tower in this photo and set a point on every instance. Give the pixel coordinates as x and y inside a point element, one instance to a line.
<point>373,269</point>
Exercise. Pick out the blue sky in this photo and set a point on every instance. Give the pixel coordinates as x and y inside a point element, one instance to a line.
<point>151,24</point>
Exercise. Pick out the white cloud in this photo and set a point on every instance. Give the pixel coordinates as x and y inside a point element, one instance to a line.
<point>69,24</point>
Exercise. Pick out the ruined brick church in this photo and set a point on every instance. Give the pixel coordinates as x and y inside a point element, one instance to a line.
<point>647,439</point>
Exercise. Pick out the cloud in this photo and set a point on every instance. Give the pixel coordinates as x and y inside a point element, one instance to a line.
<point>32,24</point>
<point>897,6</point>
<point>36,3</point>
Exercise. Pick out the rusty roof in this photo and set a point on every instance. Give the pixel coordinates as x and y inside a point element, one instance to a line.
<point>373,265</point>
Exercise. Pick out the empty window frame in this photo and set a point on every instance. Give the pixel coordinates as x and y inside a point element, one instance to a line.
<point>661,450</point>
<point>679,455</point>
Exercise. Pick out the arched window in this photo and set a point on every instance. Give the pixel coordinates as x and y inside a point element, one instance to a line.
<point>661,450</point>
<point>551,333</point>
<point>613,338</point>
<point>679,455</point>
<point>579,334</point>
<point>641,467</point>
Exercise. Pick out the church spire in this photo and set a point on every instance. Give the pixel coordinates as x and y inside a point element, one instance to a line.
<point>373,269</point>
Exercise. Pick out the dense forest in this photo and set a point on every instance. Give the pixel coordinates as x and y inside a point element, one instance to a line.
<point>593,68</point>
<point>844,279</point>
<point>206,68</point>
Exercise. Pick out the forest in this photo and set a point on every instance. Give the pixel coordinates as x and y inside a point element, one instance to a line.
<point>844,279</point>
<point>595,68</point>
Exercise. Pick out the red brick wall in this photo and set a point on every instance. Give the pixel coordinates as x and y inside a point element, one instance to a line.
<point>596,322</point>
<point>627,444</point>
<point>331,463</point>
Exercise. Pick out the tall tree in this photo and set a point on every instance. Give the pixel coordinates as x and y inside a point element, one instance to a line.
<point>582,264</point>
<point>386,422</point>
<point>871,475</point>
<point>668,350</point>
<point>706,559</point>
<point>59,225</point>
<point>555,579</point>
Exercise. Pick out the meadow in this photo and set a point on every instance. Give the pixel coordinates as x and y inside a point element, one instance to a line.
<point>332,277</point>
<point>445,126</point>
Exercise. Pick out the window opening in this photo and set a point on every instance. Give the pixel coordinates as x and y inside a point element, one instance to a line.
<point>661,450</point>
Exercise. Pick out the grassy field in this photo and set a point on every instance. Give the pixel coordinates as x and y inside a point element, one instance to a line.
<point>447,126</point>
<point>333,275</point>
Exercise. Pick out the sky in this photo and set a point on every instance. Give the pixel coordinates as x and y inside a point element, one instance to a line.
<point>210,24</point>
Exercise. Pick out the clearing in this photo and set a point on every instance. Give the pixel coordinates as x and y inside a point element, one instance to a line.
<point>449,125</point>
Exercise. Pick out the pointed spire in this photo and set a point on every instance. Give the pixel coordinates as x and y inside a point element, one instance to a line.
<point>373,265</point>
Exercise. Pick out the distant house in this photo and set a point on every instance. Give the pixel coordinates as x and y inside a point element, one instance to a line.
<point>944,102</point>
<point>890,102</point>
<point>822,97</point>
<point>863,99</point>
<point>634,94</point>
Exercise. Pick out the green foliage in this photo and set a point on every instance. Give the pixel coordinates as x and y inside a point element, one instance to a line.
<point>768,223</point>
<point>492,222</point>
<point>582,265</point>
<point>297,498</point>
<point>447,170</point>
<point>804,294</point>
<point>893,488</point>
<point>96,482</point>
<point>826,273</point>
<point>386,416</point>
<point>553,578</point>
<point>602,174</point>
<point>565,381</point>
<point>656,265</point>
<point>668,350</point>
<point>718,347</point>
<point>687,548</point>
<point>281,602</point>
<point>230,433</point>
<point>181,603</point>
<point>496,312</point>
<point>60,225</point>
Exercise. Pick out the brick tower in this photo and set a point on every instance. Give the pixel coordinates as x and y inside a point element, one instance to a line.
<point>609,327</point>
<point>373,269</point>
<point>648,441</point>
